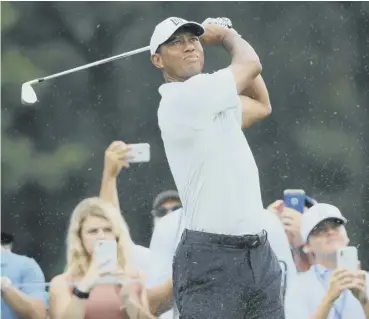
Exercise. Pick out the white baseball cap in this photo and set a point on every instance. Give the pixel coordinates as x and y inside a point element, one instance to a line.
<point>165,29</point>
<point>315,215</point>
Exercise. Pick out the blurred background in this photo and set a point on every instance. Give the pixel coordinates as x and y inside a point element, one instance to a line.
<point>315,60</point>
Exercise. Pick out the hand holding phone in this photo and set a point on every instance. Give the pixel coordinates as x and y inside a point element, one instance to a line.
<point>106,252</point>
<point>139,153</point>
<point>295,199</point>
<point>340,280</point>
<point>103,266</point>
<point>347,258</point>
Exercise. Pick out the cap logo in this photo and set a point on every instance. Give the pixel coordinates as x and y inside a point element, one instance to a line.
<point>177,21</point>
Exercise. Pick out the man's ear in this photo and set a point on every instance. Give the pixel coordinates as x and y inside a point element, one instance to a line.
<point>157,61</point>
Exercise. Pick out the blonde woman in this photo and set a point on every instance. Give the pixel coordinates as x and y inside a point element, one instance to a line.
<point>95,219</point>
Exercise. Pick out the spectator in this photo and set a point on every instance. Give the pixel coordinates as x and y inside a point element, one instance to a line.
<point>325,291</point>
<point>164,203</point>
<point>291,220</point>
<point>7,241</point>
<point>95,219</point>
<point>23,292</point>
<point>116,157</point>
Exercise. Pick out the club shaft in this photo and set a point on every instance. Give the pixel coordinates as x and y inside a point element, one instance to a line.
<point>86,66</point>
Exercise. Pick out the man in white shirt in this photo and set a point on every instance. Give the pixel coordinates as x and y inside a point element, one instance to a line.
<point>325,291</point>
<point>165,203</point>
<point>224,266</point>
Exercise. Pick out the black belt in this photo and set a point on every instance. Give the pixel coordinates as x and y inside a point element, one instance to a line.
<point>241,242</point>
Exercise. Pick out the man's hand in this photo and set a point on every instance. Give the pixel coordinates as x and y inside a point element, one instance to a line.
<point>5,283</point>
<point>360,289</point>
<point>116,157</point>
<point>215,30</point>
<point>341,280</point>
<point>276,207</point>
<point>291,220</point>
<point>134,301</point>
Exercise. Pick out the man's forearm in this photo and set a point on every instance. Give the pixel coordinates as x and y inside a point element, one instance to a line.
<point>108,190</point>
<point>239,49</point>
<point>161,297</point>
<point>258,91</point>
<point>301,259</point>
<point>23,305</point>
<point>255,102</point>
<point>366,308</point>
<point>323,310</point>
<point>245,63</point>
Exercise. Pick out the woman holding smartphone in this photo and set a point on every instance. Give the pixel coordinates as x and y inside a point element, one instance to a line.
<point>79,293</point>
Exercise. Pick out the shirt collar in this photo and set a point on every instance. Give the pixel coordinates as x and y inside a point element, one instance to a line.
<point>321,270</point>
<point>166,87</point>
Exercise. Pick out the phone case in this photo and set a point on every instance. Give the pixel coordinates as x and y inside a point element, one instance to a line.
<point>106,250</point>
<point>294,198</point>
<point>140,153</point>
<point>347,258</point>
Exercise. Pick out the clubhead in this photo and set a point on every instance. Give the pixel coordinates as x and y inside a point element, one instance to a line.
<point>28,94</point>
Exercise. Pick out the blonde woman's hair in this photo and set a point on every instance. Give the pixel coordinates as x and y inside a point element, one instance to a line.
<point>78,260</point>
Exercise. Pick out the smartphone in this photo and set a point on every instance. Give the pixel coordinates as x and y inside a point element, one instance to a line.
<point>294,198</point>
<point>106,250</point>
<point>309,202</point>
<point>140,153</point>
<point>347,258</point>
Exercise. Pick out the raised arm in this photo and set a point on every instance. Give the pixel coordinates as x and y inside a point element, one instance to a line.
<point>115,159</point>
<point>245,63</point>
<point>203,96</point>
<point>255,102</point>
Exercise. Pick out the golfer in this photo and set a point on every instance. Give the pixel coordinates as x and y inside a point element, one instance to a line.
<point>223,266</point>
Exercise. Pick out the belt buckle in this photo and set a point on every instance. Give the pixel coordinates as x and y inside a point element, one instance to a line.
<point>255,242</point>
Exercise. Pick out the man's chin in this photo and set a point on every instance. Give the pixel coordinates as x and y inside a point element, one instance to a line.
<point>195,71</point>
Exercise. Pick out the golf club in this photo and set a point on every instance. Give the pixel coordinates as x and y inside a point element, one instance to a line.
<point>28,95</point>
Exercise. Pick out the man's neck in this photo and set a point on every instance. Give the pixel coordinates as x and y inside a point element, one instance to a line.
<point>327,261</point>
<point>168,78</point>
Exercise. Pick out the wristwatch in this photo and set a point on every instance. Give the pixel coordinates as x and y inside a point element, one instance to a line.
<point>80,294</point>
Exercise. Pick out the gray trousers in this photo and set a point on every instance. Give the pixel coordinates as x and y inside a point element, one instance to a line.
<point>226,277</point>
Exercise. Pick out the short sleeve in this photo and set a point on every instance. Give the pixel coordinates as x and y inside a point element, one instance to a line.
<point>195,103</point>
<point>141,257</point>
<point>163,245</point>
<point>213,93</point>
<point>33,281</point>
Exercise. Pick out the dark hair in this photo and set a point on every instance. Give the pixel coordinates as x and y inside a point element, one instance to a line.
<point>163,197</point>
<point>6,238</point>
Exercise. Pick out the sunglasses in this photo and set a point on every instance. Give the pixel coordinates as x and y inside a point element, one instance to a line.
<point>162,211</point>
<point>326,224</point>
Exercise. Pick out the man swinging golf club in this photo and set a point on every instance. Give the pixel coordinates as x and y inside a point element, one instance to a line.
<point>224,266</point>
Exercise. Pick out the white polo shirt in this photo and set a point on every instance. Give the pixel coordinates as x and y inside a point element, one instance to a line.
<point>308,289</point>
<point>141,259</point>
<point>167,234</point>
<point>211,162</point>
